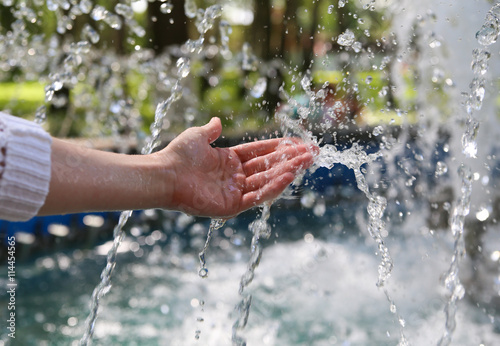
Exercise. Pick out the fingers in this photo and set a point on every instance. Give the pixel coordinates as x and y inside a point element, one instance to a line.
<point>282,154</point>
<point>260,180</point>
<point>268,185</point>
<point>267,192</point>
<point>213,129</point>
<point>255,149</point>
<point>251,150</point>
<point>271,167</point>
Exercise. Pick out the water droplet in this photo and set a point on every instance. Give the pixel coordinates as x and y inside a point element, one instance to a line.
<point>441,168</point>
<point>183,67</point>
<point>203,272</point>
<point>41,114</point>
<point>419,157</point>
<point>259,88</point>
<point>166,7</point>
<point>124,10</point>
<point>85,6</point>
<point>346,39</point>
<point>483,214</point>
<point>305,83</point>
<point>113,21</point>
<point>480,60</point>
<point>194,45</point>
<point>393,308</point>
<point>308,199</point>
<point>319,209</point>
<point>459,291</point>
<point>488,34</point>
<point>330,9</point>
<point>225,30</point>
<point>383,92</point>
<point>57,85</point>
<point>98,13</point>
<point>342,3</point>
<point>190,8</point>
<point>49,93</point>
<point>378,130</point>
<point>434,43</point>
<point>410,181</point>
<point>52,5</point>
<point>469,143</point>
<point>357,47</point>
<point>260,228</point>
<point>136,28</point>
<point>402,322</point>
<point>90,33</point>
<point>437,75</point>
<point>205,19</point>
<point>369,80</point>
<point>249,61</point>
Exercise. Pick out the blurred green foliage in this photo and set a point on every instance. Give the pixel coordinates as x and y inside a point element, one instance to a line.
<point>22,98</point>
<point>228,95</point>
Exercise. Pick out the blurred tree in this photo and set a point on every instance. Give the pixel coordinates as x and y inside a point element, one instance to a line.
<point>308,48</point>
<point>259,34</point>
<point>289,28</point>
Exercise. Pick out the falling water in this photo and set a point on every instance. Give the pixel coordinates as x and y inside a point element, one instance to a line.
<point>79,62</point>
<point>486,36</point>
<point>105,285</point>
<point>353,158</point>
<point>215,224</point>
<point>260,229</point>
<point>118,233</point>
<point>205,22</point>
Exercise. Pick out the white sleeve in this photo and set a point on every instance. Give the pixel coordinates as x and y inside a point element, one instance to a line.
<point>24,168</point>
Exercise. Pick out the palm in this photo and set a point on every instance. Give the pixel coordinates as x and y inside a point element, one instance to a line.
<point>209,181</point>
<point>222,182</point>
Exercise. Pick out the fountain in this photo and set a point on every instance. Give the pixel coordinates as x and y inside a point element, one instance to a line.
<point>388,239</point>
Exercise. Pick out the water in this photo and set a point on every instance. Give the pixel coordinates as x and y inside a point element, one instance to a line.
<point>485,37</point>
<point>215,224</point>
<point>299,292</point>
<point>183,70</point>
<point>417,237</point>
<point>261,230</point>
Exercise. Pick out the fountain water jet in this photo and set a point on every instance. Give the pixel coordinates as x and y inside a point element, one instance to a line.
<point>82,64</point>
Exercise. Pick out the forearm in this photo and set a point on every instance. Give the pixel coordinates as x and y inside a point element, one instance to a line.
<point>89,180</point>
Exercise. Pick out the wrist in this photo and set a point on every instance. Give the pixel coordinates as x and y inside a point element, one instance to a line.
<point>160,186</point>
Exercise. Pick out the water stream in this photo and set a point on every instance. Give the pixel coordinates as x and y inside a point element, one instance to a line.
<point>486,36</point>
<point>422,176</point>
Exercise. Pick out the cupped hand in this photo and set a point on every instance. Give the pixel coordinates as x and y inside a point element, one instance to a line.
<point>223,182</point>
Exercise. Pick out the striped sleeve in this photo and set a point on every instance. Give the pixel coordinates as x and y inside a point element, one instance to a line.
<point>25,150</point>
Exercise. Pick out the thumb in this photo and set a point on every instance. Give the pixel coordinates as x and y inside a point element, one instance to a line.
<point>213,129</point>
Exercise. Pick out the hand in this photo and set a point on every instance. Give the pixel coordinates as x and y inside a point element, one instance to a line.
<point>223,182</point>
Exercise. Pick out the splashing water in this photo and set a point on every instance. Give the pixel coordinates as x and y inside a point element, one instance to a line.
<point>78,64</point>
<point>215,224</point>
<point>347,38</point>
<point>105,284</point>
<point>183,70</point>
<point>486,36</point>
<point>118,232</point>
<point>260,229</point>
<point>353,158</point>
<point>190,8</point>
